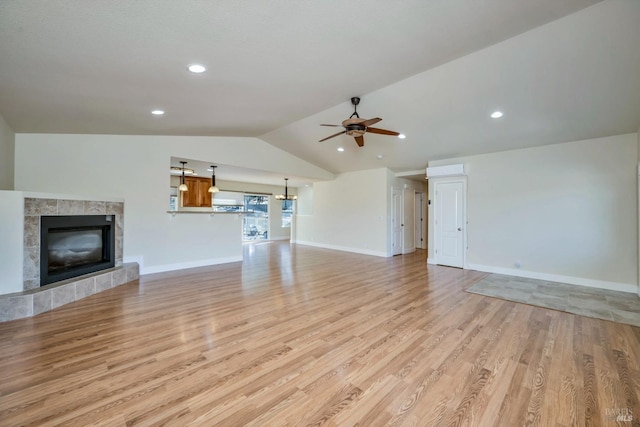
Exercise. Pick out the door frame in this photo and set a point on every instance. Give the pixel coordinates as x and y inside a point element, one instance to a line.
<point>465,222</point>
<point>419,195</point>
<point>398,216</point>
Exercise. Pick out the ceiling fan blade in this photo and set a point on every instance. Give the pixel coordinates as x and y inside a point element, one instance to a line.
<point>359,141</point>
<point>335,126</point>
<point>370,122</point>
<point>383,131</point>
<point>335,134</point>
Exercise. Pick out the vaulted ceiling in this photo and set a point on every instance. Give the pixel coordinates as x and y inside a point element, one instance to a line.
<point>434,70</point>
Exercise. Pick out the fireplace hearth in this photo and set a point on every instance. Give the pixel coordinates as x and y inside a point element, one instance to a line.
<point>75,245</point>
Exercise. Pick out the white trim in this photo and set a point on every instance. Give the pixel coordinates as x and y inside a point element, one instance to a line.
<point>410,173</point>
<point>423,213</point>
<point>431,261</point>
<point>399,218</point>
<point>465,219</point>
<point>445,171</point>
<point>280,238</point>
<point>408,250</point>
<point>343,248</point>
<point>580,281</point>
<point>190,264</point>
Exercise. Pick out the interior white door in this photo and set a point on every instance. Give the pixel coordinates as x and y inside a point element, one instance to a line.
<point>419,221</point>
<point>397,215</point>
<point>449,222</point>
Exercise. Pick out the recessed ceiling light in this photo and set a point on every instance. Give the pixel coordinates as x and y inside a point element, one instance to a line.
<point>379,156</point>
<point>196,68</point>
<point>402,136</point>
<point>496,114</point>
<point>340,149</point>
<point>157,112</point>
<point>306,185</point>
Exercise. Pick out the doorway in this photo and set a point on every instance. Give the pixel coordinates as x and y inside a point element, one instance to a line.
<point>450,222</point>
<point>397,215</point>
<point>419,221</point>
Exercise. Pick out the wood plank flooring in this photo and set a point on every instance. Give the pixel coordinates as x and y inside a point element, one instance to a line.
<point>304,336</point>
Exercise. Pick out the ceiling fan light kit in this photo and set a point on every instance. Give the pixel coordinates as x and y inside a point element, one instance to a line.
<point>356,127</point>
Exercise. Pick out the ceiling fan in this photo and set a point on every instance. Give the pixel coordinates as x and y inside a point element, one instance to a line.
<point>357,127</point>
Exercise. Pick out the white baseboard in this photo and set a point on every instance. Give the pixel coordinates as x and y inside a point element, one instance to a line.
<point>190,264</point>
<point>280,238</point>
<point>408,250</point>
<point>580,281</point>
<point>343,248</point>
<point>431,261</point>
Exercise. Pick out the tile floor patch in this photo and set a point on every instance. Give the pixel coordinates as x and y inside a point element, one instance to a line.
<point>616,306</point>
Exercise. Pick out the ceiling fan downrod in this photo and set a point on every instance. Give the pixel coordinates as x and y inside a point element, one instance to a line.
<point>355,101</point>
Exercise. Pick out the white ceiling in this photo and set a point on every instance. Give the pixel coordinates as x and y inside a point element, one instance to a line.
<point>432,69</point>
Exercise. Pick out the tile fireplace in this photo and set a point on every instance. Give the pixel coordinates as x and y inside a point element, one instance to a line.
<point>48,248</point>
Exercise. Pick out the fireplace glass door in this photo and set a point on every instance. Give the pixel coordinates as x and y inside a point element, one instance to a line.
<point>75,245</point>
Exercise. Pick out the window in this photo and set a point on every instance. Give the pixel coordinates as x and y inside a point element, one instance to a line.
<point>256,219</point>
<point>287,213</point>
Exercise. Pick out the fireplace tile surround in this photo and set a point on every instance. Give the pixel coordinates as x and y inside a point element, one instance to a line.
<point>36,299</point>
<point>34,208</point>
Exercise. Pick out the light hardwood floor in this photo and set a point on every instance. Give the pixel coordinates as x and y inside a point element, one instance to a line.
<point>303,336</point>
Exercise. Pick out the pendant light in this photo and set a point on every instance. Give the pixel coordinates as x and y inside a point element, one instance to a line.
<point>213,188</point>
<point>183,186</point>
<point>286,195</point>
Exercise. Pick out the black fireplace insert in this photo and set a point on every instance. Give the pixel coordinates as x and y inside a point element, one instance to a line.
<point>71,246</point>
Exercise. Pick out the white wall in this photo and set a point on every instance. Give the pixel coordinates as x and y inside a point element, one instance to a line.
<point>7,155</point>
<point>566,212</point>
<point>303,211</point>
<point>11,241</point>
<point>135,168</point>
<point>348,213</point>
<point>304,205</point>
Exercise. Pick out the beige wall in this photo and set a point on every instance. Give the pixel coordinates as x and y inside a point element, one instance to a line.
<point>135,168</point>
<point>563,211</point>
<point>7,155</point>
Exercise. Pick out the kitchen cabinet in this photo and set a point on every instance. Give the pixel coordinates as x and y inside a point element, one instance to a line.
<point>198,195</point>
